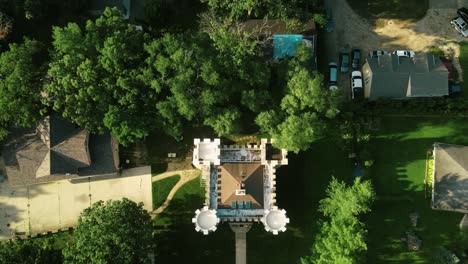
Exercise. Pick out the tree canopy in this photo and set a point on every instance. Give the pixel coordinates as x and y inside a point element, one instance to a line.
<point>202,78</point>
<point>305,108</point>
<point>259,8</point>
<point>112,232</point>
<point>342,237</point>
<point>20,85</point>
<point>97,77</point>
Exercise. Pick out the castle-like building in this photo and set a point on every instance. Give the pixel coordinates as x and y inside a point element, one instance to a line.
<point>240,184</point>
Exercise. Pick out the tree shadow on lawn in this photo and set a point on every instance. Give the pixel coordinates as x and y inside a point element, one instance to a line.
<point>398,177</point>
<point>300,185</point>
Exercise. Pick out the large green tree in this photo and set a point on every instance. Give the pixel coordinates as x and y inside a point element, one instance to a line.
<point>20,85</point>
<point>260,8</point>
<point>97,77</point>
<point>112,232</point>
<point>342,237</point>
<point>201,79</point>
<point>304,111</point>
<point>37,251</point>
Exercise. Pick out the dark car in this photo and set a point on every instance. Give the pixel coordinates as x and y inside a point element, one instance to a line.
<point>377,53</point>
<point>463,13</point>
<point>333,76</point>
<point>356,58</point>
<point>344,60</point>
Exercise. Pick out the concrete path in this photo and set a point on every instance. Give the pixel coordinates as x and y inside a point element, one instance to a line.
<point>57,205</point>
<point>185,176</point>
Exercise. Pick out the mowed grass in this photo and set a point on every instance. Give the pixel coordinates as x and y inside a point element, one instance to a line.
<point>300,185</point>
<point>395,9</point>
<point>162,188</point>
<point>398,177</point>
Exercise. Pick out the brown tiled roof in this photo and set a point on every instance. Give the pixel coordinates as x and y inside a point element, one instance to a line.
<point>235,174</point>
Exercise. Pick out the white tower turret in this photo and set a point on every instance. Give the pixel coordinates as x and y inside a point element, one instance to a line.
<point>205,220</point>
<point>275,220</point>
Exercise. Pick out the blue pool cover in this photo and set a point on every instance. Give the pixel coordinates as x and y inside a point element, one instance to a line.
<point>285,45</point>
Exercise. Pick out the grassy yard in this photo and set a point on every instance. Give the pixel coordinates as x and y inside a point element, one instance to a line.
<point>301,185</point>
<point>398,177</point>
<point>397,9</point>
<point>162,188</point>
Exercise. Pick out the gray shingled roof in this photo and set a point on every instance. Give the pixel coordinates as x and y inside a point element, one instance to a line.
<point>400,77</point>
<point>450,185</point>
<point>57,150</point>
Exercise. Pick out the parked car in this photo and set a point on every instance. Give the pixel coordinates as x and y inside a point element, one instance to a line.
<point>357,91</point>
<point>344,59</point>
<point>356,58</point>
<point>463,13</point>
<point>333,75</point>
<point>330,24</point>
<point>460,25</point>
<point>404,53</point>
<point>377,53</point>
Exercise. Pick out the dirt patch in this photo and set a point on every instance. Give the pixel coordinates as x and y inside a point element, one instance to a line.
<point>351,31</point>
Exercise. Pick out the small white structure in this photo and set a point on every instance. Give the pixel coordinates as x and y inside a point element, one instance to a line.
<point>205,220</point>
<point>275,220</point>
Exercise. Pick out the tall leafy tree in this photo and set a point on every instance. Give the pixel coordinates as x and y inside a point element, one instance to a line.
<point>28,251</point>
<point>260,8</point>
<point>305,109</point>
<point>199,81</point>
<point>112,232</point>
<point>98,77</point>
<point>20,85</point>
<point>342,237</point>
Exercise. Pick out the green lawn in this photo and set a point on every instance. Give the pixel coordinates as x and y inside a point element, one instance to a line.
<point>300,186</point>
<point>398,177</point>
<point>162,188</point>
<point>396,9</point>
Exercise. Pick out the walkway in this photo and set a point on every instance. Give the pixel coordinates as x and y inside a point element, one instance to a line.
<point>185,176</point>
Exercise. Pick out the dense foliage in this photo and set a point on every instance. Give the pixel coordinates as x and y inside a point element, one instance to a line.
<point>207,78</point>
<point>342,237</point>
<point>20,86</point>
<point>38,251</point>
<point>260,8</point>
<point>112,232</point>
<point>97,77</point>
<point>304,111</point>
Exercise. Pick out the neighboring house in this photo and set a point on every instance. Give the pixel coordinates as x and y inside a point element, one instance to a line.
<point>131,9</point>
<point>58,150</point>
<point>240,188</point>
<point>285,40</point>
<point>57,170</point>
<point>450,179</point>
<point>391,76</point>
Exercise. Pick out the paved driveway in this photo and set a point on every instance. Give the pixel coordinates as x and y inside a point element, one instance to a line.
<point>56,206</point>
<point>447,3</point>
<point>353,31</point>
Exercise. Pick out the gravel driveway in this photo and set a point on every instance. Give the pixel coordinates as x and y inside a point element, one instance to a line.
<point>353,31</point>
